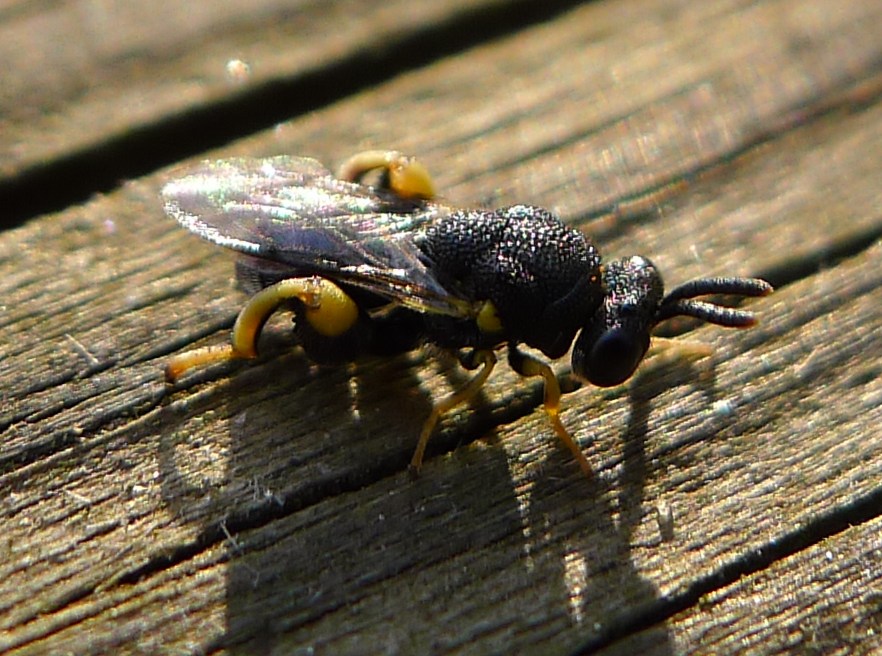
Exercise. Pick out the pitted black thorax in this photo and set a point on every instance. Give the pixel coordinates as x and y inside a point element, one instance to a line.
<point>542,277</point>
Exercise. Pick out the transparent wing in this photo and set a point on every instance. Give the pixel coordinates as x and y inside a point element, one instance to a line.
<point>291,211</point>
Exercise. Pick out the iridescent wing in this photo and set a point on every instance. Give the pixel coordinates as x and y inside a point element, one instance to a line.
<point>292,213</point>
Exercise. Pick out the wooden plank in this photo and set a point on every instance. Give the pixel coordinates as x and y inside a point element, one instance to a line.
<point>121,498</point>
<point>825,599</point>
<point>485,530</point>
<point>78,76</point>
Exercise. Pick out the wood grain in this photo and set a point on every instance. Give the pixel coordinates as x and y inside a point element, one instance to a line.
<point>265,508</point>
<point>78,75</point>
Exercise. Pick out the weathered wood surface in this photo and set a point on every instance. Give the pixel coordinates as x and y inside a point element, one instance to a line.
<point>266,508</point>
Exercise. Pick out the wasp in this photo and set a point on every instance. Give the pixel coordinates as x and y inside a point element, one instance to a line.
<point>379,269</point>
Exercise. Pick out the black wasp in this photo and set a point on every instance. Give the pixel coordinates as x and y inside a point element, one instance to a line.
<point>377,270</point>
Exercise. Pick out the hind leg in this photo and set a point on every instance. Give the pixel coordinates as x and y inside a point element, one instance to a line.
<point>404,176</point>
<point>327,308</point>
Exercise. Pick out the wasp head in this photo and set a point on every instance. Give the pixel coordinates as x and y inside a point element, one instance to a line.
<point>616,337</point>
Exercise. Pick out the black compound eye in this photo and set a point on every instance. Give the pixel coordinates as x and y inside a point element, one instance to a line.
<point>611,358</point>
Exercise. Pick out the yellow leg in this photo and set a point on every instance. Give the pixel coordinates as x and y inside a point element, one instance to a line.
<point>527,365</point>
<point>673,349</point>
<point>407,177</point>
<point>485,359</point>
<point>667,352</point>
<point>327,307</point>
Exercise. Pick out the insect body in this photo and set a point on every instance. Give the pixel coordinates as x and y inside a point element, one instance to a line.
<point>376,270</point>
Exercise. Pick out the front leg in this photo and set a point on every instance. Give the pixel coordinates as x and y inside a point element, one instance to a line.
<point>528,366</point>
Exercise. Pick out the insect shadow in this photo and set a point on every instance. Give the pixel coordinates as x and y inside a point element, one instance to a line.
<point>295,432</point>
<point>687,364</point>
<point>288,418</point>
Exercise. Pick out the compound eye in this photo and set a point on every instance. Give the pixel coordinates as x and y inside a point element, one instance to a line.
<point>611,358</point>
